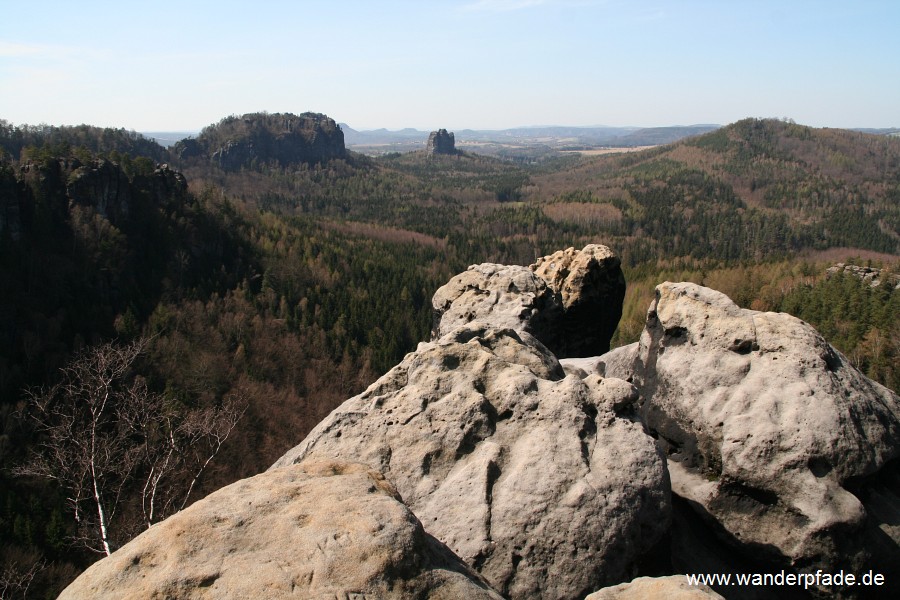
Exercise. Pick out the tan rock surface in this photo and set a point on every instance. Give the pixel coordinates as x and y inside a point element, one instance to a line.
<point>323,530</point>
<point>524,472</point>
<point>571,300</point>
<point>769,423</point>
<point>674,587</point>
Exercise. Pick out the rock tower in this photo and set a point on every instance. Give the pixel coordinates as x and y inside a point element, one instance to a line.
<point>441,142</point>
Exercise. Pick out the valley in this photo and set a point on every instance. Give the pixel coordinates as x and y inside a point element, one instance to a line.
<point>268,263</point>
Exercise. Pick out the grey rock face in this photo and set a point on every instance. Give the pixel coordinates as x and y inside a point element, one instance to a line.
<point>324,530</point>
<point>103,186</point>
<point>591,288</point>
<point>494,295</point>
<point>524,472</point>
<point>441,142</point>
<point>571,300</point>
<point>766,425</point>
<point>257,139</point>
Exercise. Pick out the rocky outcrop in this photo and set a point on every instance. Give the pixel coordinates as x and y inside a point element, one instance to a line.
<point>324,530</point>
<point>164,183</point>
<point>590,287</point>
<point>571,300</point>
<point>258,139</point>
<point>871,275</point>
<point>12,202</point>
<point>441,142</point>
<point>674,587</point>
<point>768,429</point>
<point>101,185</point>
<point>187,148</point>
<point>524,472</point>
<point>540,474</point>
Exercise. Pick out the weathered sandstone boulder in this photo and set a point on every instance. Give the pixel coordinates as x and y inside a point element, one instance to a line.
<point>571,300</point>
<point>591,287</point>
<point>323,530</point>
<point>769,430</point>
<point>674,587</point>
<point>524,472</point>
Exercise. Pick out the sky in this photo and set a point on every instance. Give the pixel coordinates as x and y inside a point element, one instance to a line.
<point>479,64</point>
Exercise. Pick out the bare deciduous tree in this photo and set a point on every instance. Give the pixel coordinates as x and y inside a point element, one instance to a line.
<point>115,446</point>
<point>16,579</point>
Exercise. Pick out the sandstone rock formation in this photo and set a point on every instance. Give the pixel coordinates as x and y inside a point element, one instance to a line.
<point>571,300</point>
<point>767,427</point>
<point>323,530</point>
<point>441,142</point>
<point>674,587</point>
<point>101,185</point>
<point>260,138</point>
<point>540,473</point>
<point>591,287</point>
<point>870,275</point>
<point>527,474</point>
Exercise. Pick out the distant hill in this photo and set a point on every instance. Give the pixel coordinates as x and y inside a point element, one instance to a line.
<point>550,137</point>
<point>13,139</point>
<point>655,136</point>
<point>756,188</point>
<point>257,139</point>
<point>888,131</point>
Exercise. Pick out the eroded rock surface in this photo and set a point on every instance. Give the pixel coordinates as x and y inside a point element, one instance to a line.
<point>591,287</point>
<point>571,300</point>
<point>441,142</point>
<point>767,426</point>
<point>322,530</point>
<point>524,472</point>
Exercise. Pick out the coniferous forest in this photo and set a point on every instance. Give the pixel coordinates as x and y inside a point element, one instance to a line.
<point>197,310</point>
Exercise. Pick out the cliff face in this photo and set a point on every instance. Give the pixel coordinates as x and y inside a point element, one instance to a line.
<point>441,142</point>
<point>50,189</point>
<point>257,139</point>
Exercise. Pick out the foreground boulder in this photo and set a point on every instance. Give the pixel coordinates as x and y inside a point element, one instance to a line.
<point>571,300</point>
<point>524,472</point>
<point>325,530</point>
<point>770,432</point>
<point>674,587</point>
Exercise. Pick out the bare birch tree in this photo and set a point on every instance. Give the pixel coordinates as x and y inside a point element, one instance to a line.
<point>112,444</point>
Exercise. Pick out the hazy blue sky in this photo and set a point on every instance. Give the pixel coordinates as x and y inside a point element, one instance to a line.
<point>487,64</point>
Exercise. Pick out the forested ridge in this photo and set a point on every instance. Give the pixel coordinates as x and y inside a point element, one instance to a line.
<point>286,286</point>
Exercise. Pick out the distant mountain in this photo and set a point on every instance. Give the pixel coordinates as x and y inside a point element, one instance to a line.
<point>723,193</point>
<point>263,138</point>
<point>895,131</point>
<point>551,137</point>
<point>655,136</point>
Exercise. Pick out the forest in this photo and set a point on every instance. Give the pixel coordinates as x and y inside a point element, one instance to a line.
<point>210,316</point>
